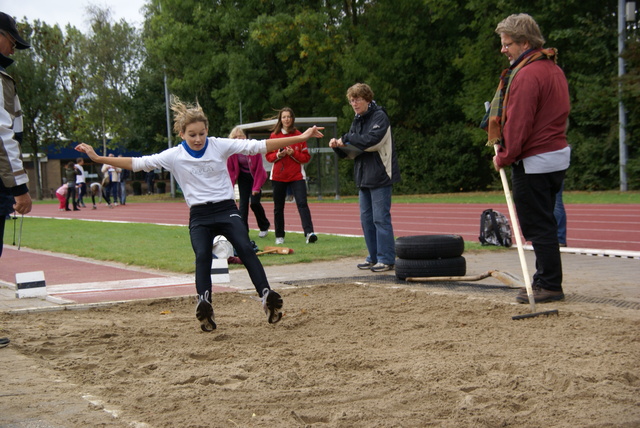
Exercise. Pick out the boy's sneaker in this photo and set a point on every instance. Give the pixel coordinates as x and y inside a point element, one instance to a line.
<point>279,241</point>
<point>263,233</point>
<point>272,305</point>
<point>311,238</point>
<point>381,267</point>
<point>365,265</point>
<point>204,313</point>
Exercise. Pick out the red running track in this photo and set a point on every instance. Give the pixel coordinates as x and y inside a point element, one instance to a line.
<point>598,226</point>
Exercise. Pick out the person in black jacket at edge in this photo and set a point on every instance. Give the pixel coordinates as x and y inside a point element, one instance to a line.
<point>369,143</point>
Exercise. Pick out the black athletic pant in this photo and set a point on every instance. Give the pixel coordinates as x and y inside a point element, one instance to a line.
<point>71,196</point>
<point>222,218</point>
<point>248,199</point>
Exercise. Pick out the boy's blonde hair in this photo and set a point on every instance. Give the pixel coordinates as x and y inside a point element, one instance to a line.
<point>186,114</point>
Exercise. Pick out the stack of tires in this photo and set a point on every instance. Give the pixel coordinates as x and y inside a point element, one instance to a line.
<point>430,256</point>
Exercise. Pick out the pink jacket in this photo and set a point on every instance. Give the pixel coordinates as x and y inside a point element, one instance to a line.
<point>255,166</point>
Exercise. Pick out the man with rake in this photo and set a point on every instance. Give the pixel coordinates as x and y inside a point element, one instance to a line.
<point>528,119</point>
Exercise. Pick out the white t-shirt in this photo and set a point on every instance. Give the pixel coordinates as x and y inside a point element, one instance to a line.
<point>80,178</point>
<point>203,175</point>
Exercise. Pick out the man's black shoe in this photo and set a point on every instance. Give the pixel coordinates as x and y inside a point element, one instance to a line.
<point>540,295</point>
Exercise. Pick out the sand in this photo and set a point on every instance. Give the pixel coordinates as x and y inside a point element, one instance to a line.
<point>344,355</point>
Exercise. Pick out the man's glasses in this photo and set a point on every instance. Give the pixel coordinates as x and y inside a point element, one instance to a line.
<point>355,101</point>
<point>506,47</point>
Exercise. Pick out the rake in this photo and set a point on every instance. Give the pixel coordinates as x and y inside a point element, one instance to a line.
<point>506,278</point>
<point>523,263</point>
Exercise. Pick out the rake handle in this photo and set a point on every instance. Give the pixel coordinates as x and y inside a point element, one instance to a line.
<point>516,231</point>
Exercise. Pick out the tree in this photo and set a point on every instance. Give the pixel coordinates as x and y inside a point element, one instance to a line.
<point>47,88</point>
<point>113,54</point>
<point>431,63</point>
<point>584,32</point>
<point>146,112</point>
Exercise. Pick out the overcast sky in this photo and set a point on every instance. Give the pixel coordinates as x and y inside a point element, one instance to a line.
<point>72,12</point>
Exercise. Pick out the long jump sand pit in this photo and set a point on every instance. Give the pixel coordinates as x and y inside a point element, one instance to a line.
<point>344,355</point>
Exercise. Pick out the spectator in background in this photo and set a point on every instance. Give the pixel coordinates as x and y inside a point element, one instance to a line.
<point>111,188</point>
<point>98,191</point>
<point>81,183</point>
<point>287,172</point>
<point>124,176</point>
<point>61,194</point>
<point>248,171</point>
<point>375,171</point>
<point>150,178</point>
<point>71,172</point>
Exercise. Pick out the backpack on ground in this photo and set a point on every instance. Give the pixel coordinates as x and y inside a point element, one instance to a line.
<point>494,229</point>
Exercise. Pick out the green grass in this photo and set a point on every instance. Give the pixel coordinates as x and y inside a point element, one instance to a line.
<point>160,247</point>
<point>167,247</point>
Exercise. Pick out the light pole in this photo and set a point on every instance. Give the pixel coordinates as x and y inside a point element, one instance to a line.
<point>626,13</point>
<point>167,102</point>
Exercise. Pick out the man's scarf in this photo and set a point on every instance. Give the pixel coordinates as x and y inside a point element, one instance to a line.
<point>496,115</point>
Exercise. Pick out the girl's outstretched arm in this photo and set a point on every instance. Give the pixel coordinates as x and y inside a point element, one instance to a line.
<point>119,162</point>
<point>278,143</point>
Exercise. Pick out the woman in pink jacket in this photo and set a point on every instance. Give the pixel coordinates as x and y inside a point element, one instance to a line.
<point>249,173</point>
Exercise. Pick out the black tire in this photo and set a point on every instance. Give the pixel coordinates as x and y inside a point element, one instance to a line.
<point>454,266</point>
<point>429,247</point>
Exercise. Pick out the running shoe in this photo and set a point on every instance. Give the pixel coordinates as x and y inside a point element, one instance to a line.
<point>263,233</point>
<point>365,266</point>
<point>311,238</point>
<point>272,305</point>
<point>204,313</point>
<point>279,241</point>
<point>381,267</point>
